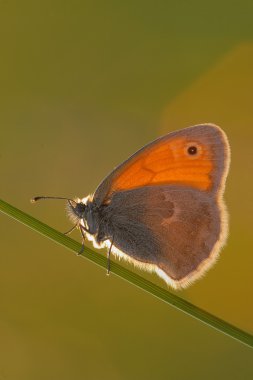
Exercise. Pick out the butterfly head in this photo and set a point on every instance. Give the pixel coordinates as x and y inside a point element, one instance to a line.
<point>76,210</point>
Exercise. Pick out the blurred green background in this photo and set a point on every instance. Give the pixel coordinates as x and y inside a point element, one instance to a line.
<point>84,84</point>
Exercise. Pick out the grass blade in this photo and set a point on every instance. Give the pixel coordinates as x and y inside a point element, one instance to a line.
<point>131,277</point>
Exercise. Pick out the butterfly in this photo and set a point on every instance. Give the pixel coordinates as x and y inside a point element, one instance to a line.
<point>162,209</point>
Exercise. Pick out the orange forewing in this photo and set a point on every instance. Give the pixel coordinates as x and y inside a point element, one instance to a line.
<point>166,162</point>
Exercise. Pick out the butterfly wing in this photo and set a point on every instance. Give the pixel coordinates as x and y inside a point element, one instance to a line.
<point>171,160</point>
<point>175,232</point>
<point>164,204</point>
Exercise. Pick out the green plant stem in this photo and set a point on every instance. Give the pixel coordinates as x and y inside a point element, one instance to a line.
<point>131,277</point>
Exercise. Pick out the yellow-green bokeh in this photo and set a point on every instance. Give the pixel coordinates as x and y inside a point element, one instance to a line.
<point>82,86</point>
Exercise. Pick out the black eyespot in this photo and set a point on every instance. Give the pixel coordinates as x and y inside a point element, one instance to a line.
<point>192,150</point>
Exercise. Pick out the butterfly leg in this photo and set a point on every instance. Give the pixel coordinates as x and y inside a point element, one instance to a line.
<point>82,229</point>
<point>109,259</point>
<point>69,231</point>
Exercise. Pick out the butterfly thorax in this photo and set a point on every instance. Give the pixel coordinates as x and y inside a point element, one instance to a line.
<point>91,217</point>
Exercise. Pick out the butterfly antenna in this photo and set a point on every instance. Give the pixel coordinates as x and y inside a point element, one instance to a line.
<point>35,199</point>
